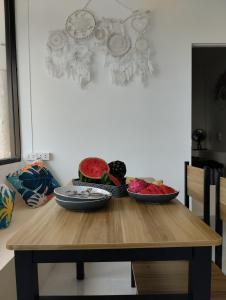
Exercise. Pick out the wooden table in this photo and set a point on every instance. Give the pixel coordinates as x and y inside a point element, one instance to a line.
<point>123,231</point>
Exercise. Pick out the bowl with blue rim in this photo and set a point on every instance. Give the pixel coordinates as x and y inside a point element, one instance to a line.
<point>82,198</point>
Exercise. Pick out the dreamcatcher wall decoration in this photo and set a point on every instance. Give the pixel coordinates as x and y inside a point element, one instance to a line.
<point>125,43</point>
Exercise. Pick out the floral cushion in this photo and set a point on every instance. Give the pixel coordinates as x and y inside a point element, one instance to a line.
<point>7,198</point>
<point>34,182</point>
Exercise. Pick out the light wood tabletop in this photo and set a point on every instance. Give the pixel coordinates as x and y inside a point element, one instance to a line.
<point>124,223</point>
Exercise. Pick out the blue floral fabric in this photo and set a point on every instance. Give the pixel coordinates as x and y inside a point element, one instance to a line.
<point>35,183</point>
<point>7,199</point>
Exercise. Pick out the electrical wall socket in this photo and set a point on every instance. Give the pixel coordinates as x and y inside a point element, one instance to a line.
<point>39,155</point>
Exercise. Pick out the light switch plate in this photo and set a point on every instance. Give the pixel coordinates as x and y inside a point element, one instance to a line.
<point>35,156</point>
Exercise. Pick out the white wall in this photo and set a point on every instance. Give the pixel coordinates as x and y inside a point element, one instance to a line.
<point>149,128</point>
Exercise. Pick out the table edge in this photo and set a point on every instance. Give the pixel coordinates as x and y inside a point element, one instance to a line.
<point>217,242</point>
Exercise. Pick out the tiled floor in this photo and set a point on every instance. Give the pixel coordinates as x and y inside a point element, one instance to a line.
<point>101,279</point>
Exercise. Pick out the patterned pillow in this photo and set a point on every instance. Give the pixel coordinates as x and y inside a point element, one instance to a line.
<point>34,182</point>
<point>7,199</point>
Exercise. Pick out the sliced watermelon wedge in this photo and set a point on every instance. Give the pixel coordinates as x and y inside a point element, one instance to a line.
<point>109,179</point>
<point>92,169</point>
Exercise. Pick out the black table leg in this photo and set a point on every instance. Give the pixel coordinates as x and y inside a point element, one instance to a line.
<point>132,277</point>
<point>200,273</point>
<point>26,276</point>
<point>80,270</point>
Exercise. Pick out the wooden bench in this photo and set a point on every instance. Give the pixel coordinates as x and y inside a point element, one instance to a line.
<point>21,214</point>
<point>172,278</point>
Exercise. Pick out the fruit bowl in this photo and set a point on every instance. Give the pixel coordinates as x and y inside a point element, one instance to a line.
<point>154,192</point>
<point>81,198</point>
<point>116,191</point>
<point>153,198</point>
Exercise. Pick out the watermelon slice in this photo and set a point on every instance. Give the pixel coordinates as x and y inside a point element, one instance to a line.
<point>92,169</point>
<point>115,180</point>
<point>107,178</point>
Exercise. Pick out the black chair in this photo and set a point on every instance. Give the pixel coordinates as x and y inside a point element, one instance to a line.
<point>172,277</point>
<point>197,186</point>
<point>220,215</point>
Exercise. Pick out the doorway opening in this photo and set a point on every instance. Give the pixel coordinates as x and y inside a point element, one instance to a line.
<point>209,105</point>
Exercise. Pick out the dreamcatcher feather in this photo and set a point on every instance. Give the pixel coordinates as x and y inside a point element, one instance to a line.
<point>67,58</point>
<point>58,49</point>
<point>79,65</point>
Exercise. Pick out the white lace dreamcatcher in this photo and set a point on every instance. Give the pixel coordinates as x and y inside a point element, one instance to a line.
<point>127,55</point>
<point>124,42</point>
<point>68,51</point>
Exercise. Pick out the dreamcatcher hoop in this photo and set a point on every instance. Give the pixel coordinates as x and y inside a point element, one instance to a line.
<point>118,44</point>
<point>80,24</point>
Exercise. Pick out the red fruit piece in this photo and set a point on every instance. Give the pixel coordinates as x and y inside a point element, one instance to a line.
<point>145,192</point>
<point>153,189</point>
<point>114,180</point>
<point>93,168</point>
<point>167,189</point>
<point>136,185</point>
